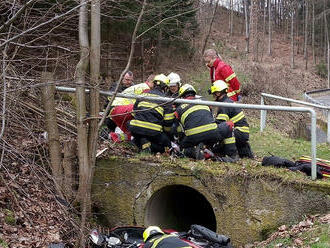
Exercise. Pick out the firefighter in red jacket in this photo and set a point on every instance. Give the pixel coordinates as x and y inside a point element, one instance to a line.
<point>219,70</point>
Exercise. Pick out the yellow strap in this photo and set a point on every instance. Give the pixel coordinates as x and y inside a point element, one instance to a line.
<point>160,239</point>
<point>244,129</point>
<point>230,77</point>
<point>193,109</point>
<point>167,129</point>
<point>234,92</point>
<point>147,125</point>
<point>168,117</point>
<point>154,106</point>
<point>238,117</point>
<point>224,117</point>
<point>146,145</point>
<point>230,140</point>
<point>201,129</point>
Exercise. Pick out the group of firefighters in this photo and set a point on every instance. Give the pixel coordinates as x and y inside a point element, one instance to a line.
<point>185,130</point>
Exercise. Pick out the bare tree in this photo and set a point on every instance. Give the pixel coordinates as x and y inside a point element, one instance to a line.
<point>247,32</point>
<point>254,32</point>
<point>306,34</point>
<point>210,26</point>
<point>292,33</point>
<point>269,28</point>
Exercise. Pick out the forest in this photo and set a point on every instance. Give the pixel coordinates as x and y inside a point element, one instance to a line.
<point>49,148</point>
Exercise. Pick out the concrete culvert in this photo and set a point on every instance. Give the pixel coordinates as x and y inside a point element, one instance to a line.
<point>177,207</point>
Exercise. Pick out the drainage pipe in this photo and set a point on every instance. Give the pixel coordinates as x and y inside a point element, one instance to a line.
<point>222,104</point>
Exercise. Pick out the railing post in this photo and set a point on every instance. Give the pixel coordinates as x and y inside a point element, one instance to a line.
<point>328,128</point>
<point>263,114</point>
<point>313,142</point>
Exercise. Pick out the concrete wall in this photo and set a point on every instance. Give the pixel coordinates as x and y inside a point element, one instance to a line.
<point>244,207</point>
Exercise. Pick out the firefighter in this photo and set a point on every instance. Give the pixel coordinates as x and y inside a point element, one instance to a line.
<point>175,84</point>
<point>199,125</point>
<point>236,115</point>
<point>154,237</point>
<point>219,70</point>
<point>121,108</point>
<point>151,118</point>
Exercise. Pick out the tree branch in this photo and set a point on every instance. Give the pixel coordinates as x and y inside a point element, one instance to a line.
<point>165,19</point>
<point>134,38</point>
<point>42,24</point>
<point>11,20</point>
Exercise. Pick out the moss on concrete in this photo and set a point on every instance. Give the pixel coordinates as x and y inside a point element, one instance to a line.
<point>249,200</point>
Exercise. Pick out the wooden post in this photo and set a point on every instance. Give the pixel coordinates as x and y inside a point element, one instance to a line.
<point>48,93</point>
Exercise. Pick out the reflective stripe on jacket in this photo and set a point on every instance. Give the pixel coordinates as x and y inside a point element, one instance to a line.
<point>236,115</point>
<point>222,71</point>
<point>166,241</point>
<point>152,116</point>
<point>195,119</point>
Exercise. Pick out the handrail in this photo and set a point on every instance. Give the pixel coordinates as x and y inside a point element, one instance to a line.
<point>263,113</point>
<point>222,104</point>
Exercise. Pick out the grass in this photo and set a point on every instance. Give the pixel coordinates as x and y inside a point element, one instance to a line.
<point>271,141</point>
<point>3,244</point>
<point>316,237</point>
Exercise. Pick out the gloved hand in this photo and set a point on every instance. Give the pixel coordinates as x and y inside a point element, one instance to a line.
<point>230,124</point>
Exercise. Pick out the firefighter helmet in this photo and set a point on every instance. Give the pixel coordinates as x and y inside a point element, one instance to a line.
<point>174,79</point>
<point>161,79</point>
<point>151,231</point>
<point>218,86</point>
<point>187,88</point>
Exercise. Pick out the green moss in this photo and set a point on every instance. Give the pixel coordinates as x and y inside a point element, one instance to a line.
<point>3,244</point>
<point>9,217</point>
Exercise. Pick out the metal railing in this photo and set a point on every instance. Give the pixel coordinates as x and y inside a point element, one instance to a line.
<point>222,104</point>
<point>264,113</point>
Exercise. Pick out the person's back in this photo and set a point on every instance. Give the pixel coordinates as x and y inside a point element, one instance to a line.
<point>154,237</point>
<point>166,241</point>
<point>197,120</point>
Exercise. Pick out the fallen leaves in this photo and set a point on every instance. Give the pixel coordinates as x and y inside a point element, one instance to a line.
<point>30,216</point>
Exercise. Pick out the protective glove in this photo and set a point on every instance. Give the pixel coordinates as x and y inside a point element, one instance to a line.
<point>208,154</point>
<point>230,124</point>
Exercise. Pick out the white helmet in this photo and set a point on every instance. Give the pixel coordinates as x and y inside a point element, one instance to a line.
<point>174,79</point>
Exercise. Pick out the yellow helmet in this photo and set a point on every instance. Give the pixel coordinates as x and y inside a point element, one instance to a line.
<point>218,86</point>
<point>161,78</point>
<point>151,231</point>
<point>187,88</point>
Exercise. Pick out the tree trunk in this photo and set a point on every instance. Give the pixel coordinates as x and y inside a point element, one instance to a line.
<point>292,34</point>
<point>313,33</point>
<point>48,94</point>
<point>231,18</point>
<point>254,34</point>
<point>328,45</point>
<point>210,27</point>
<point>306,33</point>
<point>247,33</point>
<point>69,158</point>
<point>269,28</point>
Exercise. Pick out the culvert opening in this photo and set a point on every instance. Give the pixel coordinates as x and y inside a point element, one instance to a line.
<point>177,207</point>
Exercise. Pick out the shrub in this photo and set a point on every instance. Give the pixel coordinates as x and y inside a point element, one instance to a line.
<point>321,70</point>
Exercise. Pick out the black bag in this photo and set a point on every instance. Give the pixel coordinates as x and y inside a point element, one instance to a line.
<point>277,162</point>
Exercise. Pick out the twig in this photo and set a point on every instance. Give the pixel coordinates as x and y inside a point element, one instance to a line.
<point>128,62</point>
<point>41,24</point>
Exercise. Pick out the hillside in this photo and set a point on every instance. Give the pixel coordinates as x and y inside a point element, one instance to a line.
<point>33,215</point>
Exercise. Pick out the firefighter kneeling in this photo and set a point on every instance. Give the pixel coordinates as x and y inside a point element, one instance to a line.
<point>235,115</point>
<point>199,125</point>
<point>154,237</point>
<point>151,118</point>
